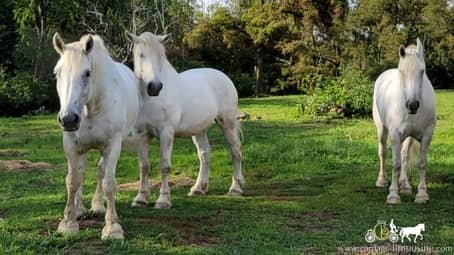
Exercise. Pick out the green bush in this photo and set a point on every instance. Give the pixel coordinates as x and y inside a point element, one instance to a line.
<point>244,84</point>
<point>22,93</point>
<point>348,95</point>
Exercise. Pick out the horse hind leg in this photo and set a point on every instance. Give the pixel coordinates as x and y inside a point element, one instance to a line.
<point>143,193</point>
<point>422,196</point>
<point>393,197</point>
<point>382,135</point>
<point>404,184</point>
<point>231,128</point>
<point>97,203</point>
<point>203,151</point>
<point>166,144</point>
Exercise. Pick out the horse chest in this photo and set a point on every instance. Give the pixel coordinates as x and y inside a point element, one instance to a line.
<point>411,128</point>
<point>91,136</point>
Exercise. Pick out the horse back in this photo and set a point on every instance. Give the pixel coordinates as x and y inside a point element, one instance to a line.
<point>213,82</point>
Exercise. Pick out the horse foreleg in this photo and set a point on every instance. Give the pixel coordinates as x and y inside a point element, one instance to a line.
<point>404,185</point>
<point>382,135</point>
<point>97,203</point>
<point>112,228</point>
<point>422,196</point>
<point>144,163</point>
<point>393,197</point>
<point>73,183</point>
<point>203,150</point>
<point>166,144</point>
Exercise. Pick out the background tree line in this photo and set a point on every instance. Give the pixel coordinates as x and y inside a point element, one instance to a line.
<point>330,48</point>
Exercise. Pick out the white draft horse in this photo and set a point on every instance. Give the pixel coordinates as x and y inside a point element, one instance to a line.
<point>404,110</point>
<point>182,104</point>
<point>99,104</point>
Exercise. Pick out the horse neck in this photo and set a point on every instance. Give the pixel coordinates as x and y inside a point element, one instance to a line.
<point>103,72</point>
<point>168,72</point>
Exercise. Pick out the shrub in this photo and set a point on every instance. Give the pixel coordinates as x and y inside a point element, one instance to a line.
<point>244,84</point>
<point>22,93</point>
<point>348,95</point>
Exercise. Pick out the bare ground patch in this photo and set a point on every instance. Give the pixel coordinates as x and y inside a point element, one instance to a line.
<point>443,179</point>
<point>313,222</point>
<point>189,230</point>
<point>177,182</point>
<point>11,153</point>
<point>24,165</point>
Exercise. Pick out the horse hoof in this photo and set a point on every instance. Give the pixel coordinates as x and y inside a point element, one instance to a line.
<point>381,183</point>
<point>67,227</point>
<point>421,198</point>
<point>393,199</point>
<point>80,211</point>
<point>235,193</point>
<point>163,205</point>
<point>196,192</point>
<point>141,200</point>
<point>112,231</point>
<point>138,203</point>
<point>98,209</point>
<point>406,190</point>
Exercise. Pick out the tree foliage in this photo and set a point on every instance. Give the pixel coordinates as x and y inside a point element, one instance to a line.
<point>265,46</point>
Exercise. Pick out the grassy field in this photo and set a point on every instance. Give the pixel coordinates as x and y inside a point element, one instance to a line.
<point>309,190</point>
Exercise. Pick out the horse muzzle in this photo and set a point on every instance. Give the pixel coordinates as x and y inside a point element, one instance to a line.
<point>154,88</point>
<point>69,122</point>
<point>412,106</point>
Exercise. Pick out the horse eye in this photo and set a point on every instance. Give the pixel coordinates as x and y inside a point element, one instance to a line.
<point>87,74</point>
<point>141,55</point>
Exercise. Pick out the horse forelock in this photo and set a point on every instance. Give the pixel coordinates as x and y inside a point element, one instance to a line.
<point>74,52</point>
<point>152,42</point>
<point>411,62</point>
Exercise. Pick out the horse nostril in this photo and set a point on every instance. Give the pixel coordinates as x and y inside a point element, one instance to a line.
<point>70,121</point>
<point>413,106</point>
<point>154,88</point>
<point>76,118</point>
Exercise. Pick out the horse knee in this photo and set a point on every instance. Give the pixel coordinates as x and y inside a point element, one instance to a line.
<point>144,166</point>
<point>165,170</point>
<point>397,165</point>
<point>204,156</point>
<point>236,152</point>
<point>73,182</point>
<point>109,186</point>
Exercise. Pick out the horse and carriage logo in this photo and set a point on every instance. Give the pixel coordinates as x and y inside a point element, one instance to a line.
<point>383,231</point>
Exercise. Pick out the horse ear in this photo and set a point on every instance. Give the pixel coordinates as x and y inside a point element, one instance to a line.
<point>88,45</point>
<point>419,47</point>
<point>402,51</point>
<point>59,45</point>
<point>163,38</point>
<point>133,38</point>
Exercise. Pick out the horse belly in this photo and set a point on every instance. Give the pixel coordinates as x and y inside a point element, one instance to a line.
<point>191,125</point>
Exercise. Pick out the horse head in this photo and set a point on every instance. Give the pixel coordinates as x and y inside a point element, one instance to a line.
<point>149,55</point>
<point>412,68</point>
<point>74,79</point>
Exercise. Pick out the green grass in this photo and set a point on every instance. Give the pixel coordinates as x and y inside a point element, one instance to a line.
<point>309,189</point>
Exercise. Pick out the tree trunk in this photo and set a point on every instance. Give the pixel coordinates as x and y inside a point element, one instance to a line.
<point>259,73</point>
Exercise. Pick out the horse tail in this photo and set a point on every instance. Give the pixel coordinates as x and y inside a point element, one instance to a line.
<point>239,130</point>
<point>414,154</point>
